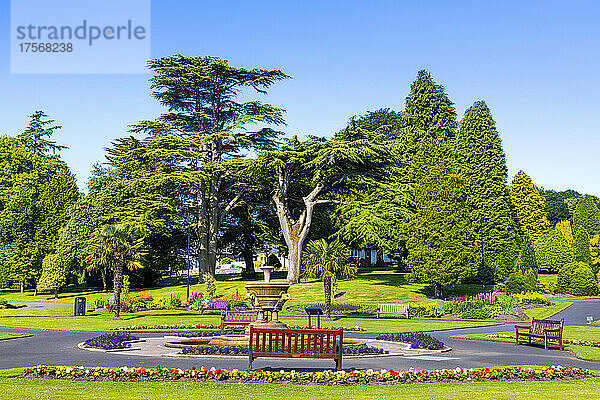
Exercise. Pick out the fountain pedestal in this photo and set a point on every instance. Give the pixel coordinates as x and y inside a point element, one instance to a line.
<point>267,297</point>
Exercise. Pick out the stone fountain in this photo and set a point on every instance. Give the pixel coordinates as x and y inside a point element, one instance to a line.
<point>268,298</point>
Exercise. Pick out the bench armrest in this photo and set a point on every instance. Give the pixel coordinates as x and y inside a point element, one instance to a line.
<point>528,327</point>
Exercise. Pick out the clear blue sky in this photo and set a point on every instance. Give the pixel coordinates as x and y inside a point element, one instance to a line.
<point>535,63</point>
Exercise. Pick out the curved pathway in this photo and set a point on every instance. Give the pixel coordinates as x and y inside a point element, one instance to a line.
<point>60,348</point>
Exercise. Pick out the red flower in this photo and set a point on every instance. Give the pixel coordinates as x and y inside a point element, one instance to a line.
<point>158,366</point>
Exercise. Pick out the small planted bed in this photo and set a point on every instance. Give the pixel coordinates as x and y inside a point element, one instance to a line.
<point>349,350</point>
<point>417,340</point>
<point>111,341</point>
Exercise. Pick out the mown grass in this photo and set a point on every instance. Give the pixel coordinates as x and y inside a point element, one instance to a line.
<point>547,312</point>
<point>569,332</point>
<point>12,335</point>
<point>103,322</point>
<point>370,287</point>
<point>21,389</point>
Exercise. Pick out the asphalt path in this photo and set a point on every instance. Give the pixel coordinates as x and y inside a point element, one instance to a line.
<point>60,348</point>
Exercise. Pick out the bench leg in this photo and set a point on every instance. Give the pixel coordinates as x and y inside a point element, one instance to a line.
<point>249,363</point>
<point>545,342</point>
<point>516,339</point>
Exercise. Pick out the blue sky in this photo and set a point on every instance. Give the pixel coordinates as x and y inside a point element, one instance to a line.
<point>535,63</point>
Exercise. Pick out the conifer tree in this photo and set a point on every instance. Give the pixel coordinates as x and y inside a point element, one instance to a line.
<point>36,137</point>
<point>586,224</point>
<point>481,160</point>
<point>429,113</point>
<point>552,251</point>
<point>527,260</point>
<point>564,227</point>
<point>528,207</point>
<point>440,238</point>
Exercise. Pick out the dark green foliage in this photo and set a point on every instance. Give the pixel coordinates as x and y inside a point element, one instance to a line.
<point>552,251</point>
<point>429,113</point>
<point>35,193</point>
<point>481,160</point>
<point>383,124</point>
<point>193,155</point>
<point>577,278</point>
<point>33,139</point>
<point>440,238</point>
<point>586,224</point>
<point>527,260</point>
<point>557,208</point>
<point>519,282</point>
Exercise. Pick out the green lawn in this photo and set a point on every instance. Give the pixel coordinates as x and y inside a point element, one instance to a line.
<point>12,335</point>
<point>102,322</point>
<point>17,389</point>
<point>547,312</point>
<point>370,287</point>
<point>570,332</point>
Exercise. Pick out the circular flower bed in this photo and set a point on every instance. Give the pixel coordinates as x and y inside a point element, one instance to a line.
<point>111,341</point>
<point>350,350</point>
<point>167,327</point>
<point>417,340</point>
<point>208,333</point>
<point>325,377</point>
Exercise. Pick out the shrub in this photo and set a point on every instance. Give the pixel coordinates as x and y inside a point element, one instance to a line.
<point>3,302</point>
<point>226,261</point>
<point>577,278</point>
<point>519,282</point>
<point>211,287</point>
<point>552,251</point>
<point>482,313</point>
<point>140,301</point>
<point>424,310</point>
<point>531,298</point>
<point>175,299</point>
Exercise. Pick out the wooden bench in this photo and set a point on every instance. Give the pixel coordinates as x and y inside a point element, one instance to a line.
<point>546,329</point>
<point>237,318</point>
<point>296,343</point>
<point>393,309</point>
<point>214,305</point>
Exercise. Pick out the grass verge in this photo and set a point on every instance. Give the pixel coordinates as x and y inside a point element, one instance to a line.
<point>569,332</point>
<point>18,389</point>
<point>13,335</point>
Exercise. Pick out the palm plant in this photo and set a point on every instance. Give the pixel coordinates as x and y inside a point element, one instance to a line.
<point>328,262</point>
<point>117,247</point>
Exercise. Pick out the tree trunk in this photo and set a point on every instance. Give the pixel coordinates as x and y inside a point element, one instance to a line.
<point>103,275</point>
<point>294,255</point>
<point>327,289</point>
<point>22,285</point>
<point>55,293</point>
<point>249,261</point>
<point>379,262</point>
<point>294,232</point>
<point>117,279</point>
<point>437,291</point>
<point>202,232</point>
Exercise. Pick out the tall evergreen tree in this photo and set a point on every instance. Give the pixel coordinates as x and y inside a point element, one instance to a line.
<point>481,160</point>
<point>429,113</point>
<point>527,260</point>
<point>528,207</point>
<point>192,155</point>
<point>36,137</point>
<point>564,227</point>
<point>440,238</point>
<point>586,224</point>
